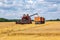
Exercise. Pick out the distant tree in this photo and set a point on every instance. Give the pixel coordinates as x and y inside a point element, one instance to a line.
<point>57,19</point>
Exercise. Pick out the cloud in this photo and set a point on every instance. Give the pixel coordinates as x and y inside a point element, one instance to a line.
<point>15,8</point>
<point>54,1</point>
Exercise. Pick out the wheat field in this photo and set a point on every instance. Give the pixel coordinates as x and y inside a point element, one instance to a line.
<point>48,31</point>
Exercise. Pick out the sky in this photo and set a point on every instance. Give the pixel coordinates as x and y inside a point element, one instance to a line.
<point>14,9</point>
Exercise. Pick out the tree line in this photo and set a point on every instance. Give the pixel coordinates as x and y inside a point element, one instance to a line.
<point>14,20</point>
<point>54,19</point>
<point>7,20</point>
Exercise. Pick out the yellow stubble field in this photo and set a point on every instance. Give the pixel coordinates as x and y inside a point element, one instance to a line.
<point>48,31</point>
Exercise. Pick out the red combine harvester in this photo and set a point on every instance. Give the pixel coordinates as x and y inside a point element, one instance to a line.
<point>26,19</point>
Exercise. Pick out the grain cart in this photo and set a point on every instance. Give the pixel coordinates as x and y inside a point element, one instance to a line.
<point>39,20</point>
